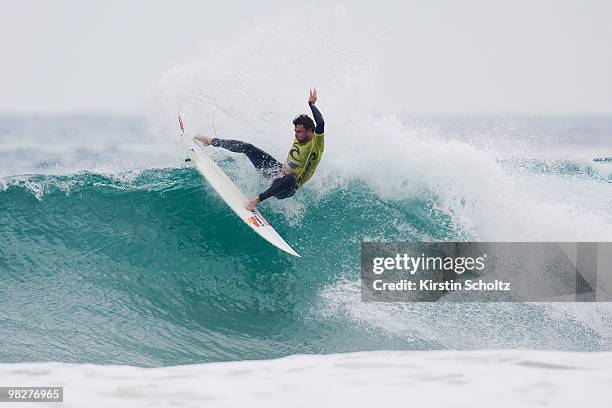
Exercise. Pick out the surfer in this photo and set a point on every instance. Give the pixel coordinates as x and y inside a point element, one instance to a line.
<point>302,159</point>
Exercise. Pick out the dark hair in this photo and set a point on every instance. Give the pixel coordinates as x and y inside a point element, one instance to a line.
<point>305,121</point>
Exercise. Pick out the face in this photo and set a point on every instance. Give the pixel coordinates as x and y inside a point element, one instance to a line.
<point>303,135</point>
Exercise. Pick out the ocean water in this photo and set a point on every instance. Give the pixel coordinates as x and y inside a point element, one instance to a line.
<point>115,251</point>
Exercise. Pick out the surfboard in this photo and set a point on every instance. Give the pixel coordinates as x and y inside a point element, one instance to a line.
<point>234,198</point>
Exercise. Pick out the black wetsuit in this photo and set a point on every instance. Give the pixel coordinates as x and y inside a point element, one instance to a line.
<point>283,185</point>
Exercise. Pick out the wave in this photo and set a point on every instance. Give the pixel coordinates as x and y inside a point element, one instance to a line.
<point>156,261</point>
<point>151,268</point>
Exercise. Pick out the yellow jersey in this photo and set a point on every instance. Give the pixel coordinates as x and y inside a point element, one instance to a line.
<point>303,158</point>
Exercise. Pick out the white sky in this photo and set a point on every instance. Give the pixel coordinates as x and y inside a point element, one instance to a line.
<point>464,56</point>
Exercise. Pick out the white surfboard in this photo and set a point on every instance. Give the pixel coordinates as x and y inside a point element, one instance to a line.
<point>232,195</point>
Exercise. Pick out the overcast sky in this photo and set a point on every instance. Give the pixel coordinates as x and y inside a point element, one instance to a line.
<point>440,56</point>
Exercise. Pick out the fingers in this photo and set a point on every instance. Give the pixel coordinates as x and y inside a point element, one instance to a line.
<point>312,96</point>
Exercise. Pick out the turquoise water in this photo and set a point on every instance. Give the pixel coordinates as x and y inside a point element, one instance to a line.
<point>158,270</point>
<point>151,268</point>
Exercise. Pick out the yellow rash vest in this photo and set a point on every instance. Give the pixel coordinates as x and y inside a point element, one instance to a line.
<point>303,158</point>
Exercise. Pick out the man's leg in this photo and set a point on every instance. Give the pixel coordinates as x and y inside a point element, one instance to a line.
<point>260,159</point>
<point>282,187</point>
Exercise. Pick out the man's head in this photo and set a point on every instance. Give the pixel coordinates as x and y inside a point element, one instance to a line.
<point>304,128</point>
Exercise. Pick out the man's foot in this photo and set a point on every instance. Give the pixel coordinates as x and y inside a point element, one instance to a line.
<point>252,203</point>
<point>205,140</point>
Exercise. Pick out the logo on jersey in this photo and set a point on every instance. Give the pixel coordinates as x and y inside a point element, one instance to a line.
<point>295,151</point>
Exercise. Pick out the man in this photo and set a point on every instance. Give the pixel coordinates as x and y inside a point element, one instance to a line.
<point>301,162</point>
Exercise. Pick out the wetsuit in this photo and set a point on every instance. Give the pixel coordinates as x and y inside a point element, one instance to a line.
<point>302,160</point>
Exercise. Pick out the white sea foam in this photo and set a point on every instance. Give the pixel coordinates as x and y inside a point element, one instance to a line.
<point>365,379</point>
<point>261,82</point>
<point>452,325</point>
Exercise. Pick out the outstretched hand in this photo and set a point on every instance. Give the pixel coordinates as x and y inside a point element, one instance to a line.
<point>313,96</point>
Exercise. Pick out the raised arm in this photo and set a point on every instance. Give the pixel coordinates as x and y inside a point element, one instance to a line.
<point>318,118</point>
